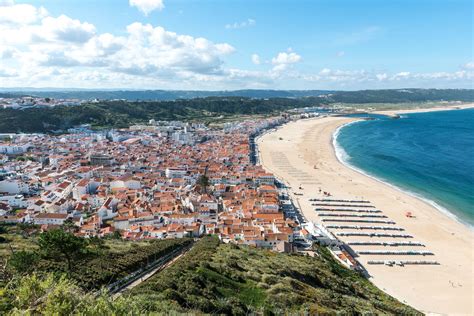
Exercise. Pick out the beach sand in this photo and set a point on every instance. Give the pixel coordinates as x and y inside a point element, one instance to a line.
<point>301,153</point>
<point>423,110</point>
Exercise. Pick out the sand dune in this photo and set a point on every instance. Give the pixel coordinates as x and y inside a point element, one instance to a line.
<point>301,153</point>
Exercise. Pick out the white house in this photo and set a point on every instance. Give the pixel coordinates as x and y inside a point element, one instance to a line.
<point>128,183</point>
<point>14,186</point>
<point>174,173</point>
<point>108,209</point>
<point>81,188</point>
<point>14,149</point>
<point>17,200</point>
<point>50,219</point>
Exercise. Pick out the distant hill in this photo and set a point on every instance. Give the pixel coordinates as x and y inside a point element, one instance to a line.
<point>120,114</point>
<point>212,109</point>
<point>402,95</point>
<point>165,95</point>
<point>11,95</point>
<point>362,96</point>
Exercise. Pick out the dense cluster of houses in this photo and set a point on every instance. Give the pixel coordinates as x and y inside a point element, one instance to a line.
<point>162,180</point>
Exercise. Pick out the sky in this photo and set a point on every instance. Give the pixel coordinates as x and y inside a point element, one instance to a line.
<point>236,44</point>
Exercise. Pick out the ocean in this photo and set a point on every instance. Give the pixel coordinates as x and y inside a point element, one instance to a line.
<point>429,155</point>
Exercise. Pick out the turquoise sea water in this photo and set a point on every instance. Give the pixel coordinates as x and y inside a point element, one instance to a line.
<point>430,155</point>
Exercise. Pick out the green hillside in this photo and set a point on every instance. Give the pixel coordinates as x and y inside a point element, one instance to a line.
<point>227,279</point>
<point>215,278</point>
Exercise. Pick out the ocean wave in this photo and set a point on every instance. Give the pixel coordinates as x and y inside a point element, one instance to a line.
<point>341,154</point>
<point>343,157</point>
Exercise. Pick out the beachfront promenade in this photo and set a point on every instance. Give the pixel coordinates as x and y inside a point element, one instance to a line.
<point>411,250</point>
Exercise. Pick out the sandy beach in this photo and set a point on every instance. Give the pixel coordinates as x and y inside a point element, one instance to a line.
<point>301,153</point>
<point>423,110</point>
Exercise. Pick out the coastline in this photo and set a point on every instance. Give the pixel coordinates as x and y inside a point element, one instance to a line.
<point>307,148</point>
<point>340,152</point>
<point>425,110</point>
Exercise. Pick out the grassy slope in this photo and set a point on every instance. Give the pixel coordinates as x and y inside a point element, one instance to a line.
<point>219,278</point>
<point>113,260</point>
<point>15,239</point>
<point>103,267</point>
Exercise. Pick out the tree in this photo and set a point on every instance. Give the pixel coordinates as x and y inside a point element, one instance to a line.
<point>23,261</point>
<point>116,235</point>
<point>59,245</point>
<point>69,226</point>
<point>203,181</point>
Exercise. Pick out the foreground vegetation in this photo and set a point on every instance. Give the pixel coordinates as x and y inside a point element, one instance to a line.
<point>52,295</point>
<point>212,278</point>
<point>90,263</point>
<point>227,279</point>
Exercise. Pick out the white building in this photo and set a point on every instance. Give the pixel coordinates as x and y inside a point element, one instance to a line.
<point>13,149</point>
<point>14,186</point>
<point>174,173</point>
<point>50,219</point>
<point>16,201</point>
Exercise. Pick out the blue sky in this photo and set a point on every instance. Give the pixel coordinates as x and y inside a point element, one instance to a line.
<point>237,44</point>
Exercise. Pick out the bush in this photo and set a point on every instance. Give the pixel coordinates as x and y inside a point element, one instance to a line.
<point>23,261</point>
<point>50,295</point>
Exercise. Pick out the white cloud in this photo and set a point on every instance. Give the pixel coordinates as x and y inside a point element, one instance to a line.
<point>340,54</point>
<point>7,72</point>
<point>370,79</point>
<point>7,52</point>
<point>63,28</point>
<point>401,75</point>
<point>256,59</point>
<point>37,49</point>
<point>382,76</point>
<point>284,59</point>
<point>469,65</point>
<point>42,28</point>
<point>153,49</point>
<point>20,13</point>
<point>239,25</point>
<point>49,45</point>
<point>147,6</point>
